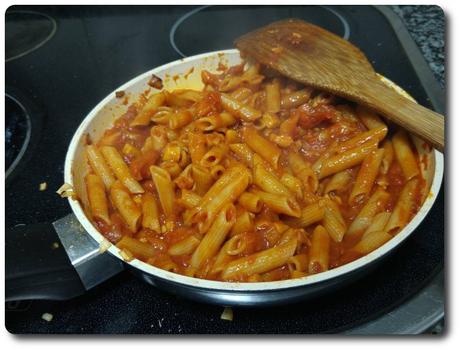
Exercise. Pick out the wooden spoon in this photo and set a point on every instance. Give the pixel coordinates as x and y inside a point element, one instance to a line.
<point>313,56</point>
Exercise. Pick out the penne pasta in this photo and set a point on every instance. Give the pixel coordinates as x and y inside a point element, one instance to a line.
<point>173,169</point>
<point>280,204</point>
<point>273,96</point>
<point>97,198</point>
<point>371,241</point>
<point>298,263</point>
<point>308,215</point>
<point>197,147</point>
<point>260,262</point>
<point>293,184</point>
<point>215,236</point>
<point>238,109</point>
<point>244,223</point>
<point>214,156</point>
<point>296,98</point>
<point>128,209</point>
<point>225,190</point>
<point>202,178</point>
<point>288,127</point>
<point>251,202</point>
<point>158,137</point>
<point>267,181</point>
<point>152,104</point>
<point>165,190</point>
<point>235,245</point>
<point>388,156</point>
<point>346,159</point>
<point>378,223</point>
<point>215,122</point>
<point>186,246</point>
<point>150,214</point>
<point>319,251</point>
<point>189,199</point>
<point>217,171</point>
<point>185,180</point>
<point>121,170</point>
<point>99,166</point>
<point>369,118</point>
<point>264,148</point>
<point>243,153</point>
<point>182,97</point>
<point>232,136</point>
<point>404,155</point>
<point>362,139</point>
<point>366,176</point>
<point>338,182</point>
<point>333,221</point>
<point>404,207</point>
<point>131,151</point>
<point>376,204</point>
<point>179,119</point>
<point>303,171</point>
<point>136,247</point>
<point>241,94</point>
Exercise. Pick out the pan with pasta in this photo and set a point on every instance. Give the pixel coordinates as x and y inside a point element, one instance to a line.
<point>232,173</point>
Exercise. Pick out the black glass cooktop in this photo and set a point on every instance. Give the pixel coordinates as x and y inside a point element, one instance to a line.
<point>26,31</point>
<point>95,49</point>
<point>191,33</point>
<point>17,132</point>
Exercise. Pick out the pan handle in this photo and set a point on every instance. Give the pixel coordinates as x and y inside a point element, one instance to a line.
<point>37,267</point>
<point>55,261</point>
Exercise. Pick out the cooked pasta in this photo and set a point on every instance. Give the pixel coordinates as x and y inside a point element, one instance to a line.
<point>252,179</point>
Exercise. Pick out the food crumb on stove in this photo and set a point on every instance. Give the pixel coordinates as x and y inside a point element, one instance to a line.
<point>47,317</point>
<point>55,245</point>
<point>155,82</point>
<point>119,94</point>
<point>43,186</point>
<point>227,314</point>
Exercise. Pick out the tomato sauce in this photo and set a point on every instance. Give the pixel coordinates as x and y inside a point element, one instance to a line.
<point>315,129</point>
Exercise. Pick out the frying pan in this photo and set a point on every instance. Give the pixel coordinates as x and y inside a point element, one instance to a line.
<point>185,73</point>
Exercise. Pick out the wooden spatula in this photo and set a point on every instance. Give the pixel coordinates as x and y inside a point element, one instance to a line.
<point>313,56</point>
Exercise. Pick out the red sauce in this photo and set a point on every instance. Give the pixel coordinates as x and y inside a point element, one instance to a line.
<point>396,183</point>
<point>314,130</point>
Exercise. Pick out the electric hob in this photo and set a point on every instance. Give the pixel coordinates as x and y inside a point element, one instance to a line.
<point>70,57</point>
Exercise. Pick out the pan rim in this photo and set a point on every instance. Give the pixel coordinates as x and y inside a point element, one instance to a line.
<point>239,286</point>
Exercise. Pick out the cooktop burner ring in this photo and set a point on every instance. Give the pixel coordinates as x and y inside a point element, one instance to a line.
<point>181,20</point>
<point>34,43</point>
<point>9,134</point>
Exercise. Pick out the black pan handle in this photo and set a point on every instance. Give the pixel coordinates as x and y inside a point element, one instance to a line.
<point>37,267</point>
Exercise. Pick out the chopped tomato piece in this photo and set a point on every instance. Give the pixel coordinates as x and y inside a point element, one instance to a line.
<point>312,116</point>
<point>140,166</point>
<point>209,105</point>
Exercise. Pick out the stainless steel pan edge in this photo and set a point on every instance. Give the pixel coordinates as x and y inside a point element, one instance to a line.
<point>225,293</point>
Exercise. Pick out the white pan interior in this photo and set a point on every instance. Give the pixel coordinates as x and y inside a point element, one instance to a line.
<point>185,73</point>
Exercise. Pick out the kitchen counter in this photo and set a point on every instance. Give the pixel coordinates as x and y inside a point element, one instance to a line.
<point>426,24</point>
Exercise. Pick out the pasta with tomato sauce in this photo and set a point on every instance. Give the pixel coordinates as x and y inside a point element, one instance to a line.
<point>253,178</point>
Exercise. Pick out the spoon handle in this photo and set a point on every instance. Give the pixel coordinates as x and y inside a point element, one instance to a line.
<point>417,119</point>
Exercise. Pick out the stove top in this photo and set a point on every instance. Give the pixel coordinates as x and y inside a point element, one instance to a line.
<point>17,132</point>
<point>190,34</point>
<point>93,50</point>
<point>26,31</point>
